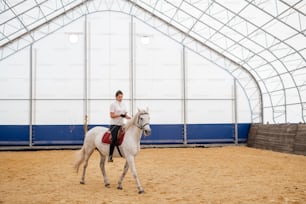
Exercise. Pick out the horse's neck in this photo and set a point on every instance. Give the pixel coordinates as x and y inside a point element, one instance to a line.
<point>133,133</point>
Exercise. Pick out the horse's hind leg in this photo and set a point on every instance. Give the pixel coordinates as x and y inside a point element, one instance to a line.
<point>102,167</point>
<point>126,168</point>
<point>88,153</point>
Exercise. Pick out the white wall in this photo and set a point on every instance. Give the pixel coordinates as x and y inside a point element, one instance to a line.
<point>151,76</point>
<point>14,89</point>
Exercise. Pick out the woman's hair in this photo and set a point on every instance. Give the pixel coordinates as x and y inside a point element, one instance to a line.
<point>119,93</point>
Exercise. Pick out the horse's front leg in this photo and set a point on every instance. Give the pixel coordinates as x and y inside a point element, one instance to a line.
<point>131,163</point>
<point>126,168</point>
<point>102,167</point>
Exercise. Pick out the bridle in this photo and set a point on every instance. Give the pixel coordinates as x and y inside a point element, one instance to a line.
<point>138,123</point>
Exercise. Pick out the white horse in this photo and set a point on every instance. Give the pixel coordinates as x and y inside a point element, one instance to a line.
<point>129,147</point>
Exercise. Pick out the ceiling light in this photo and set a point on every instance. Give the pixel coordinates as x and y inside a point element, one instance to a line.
<point>73,38</point>
<point>145,39</point>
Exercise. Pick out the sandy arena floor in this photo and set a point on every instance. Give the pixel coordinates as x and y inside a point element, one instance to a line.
<point>174,175</point>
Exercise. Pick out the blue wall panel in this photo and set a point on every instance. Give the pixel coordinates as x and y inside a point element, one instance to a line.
<point>210,133</point>
<point>165,134</point>
<point>14,135</point>
<point>216,133</point>
<point>243,132</point>
<point>161,134</point>
<point>58,134</point>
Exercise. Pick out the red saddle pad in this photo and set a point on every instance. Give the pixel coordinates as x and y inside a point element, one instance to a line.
<point>107,138</point>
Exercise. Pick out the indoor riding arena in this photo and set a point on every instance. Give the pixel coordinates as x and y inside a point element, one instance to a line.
<point>213,96</point>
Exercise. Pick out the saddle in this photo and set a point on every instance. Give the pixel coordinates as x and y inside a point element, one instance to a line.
<point>107,137</point>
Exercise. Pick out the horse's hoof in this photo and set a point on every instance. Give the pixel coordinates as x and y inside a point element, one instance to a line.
<point>141,192</point>
<point>119,188</point>
<point>82,182</point>
<point>107,185</point>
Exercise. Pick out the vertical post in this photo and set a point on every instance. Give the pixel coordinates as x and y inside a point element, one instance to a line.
<point>184,92</point>
<point>31,97</point>
<point>86,62</point>
<point>132,67</point>
<point>235,112</point>
<point>261,120</point>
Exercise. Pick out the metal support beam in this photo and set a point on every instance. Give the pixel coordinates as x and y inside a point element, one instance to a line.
<point>86,69</point>
<point>235,112</point>
<point>132,64</point>
<point>31,97</point>
<point>184,85</point>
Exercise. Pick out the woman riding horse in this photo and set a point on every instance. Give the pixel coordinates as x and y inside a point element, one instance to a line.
<point>118,112</point>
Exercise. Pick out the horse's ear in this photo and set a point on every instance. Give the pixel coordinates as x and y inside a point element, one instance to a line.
<point>138,109</point>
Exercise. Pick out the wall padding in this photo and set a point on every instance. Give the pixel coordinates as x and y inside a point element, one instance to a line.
<point>289,138</point>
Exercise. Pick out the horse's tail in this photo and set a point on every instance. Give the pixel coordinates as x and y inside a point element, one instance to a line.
<point>79,158</point>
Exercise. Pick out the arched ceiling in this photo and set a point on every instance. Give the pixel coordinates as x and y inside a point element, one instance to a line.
<point>265,38</point>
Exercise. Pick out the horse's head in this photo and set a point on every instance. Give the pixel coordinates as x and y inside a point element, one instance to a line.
<point>143,121</point>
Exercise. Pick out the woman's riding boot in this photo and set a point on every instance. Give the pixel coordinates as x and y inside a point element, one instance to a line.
<point>114,132</point>
<point>110,158</point>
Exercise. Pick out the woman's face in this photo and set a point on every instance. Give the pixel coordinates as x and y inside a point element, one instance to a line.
<point>119,97</point>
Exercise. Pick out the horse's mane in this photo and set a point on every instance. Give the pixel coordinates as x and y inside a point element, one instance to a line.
<point>133,121</point>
